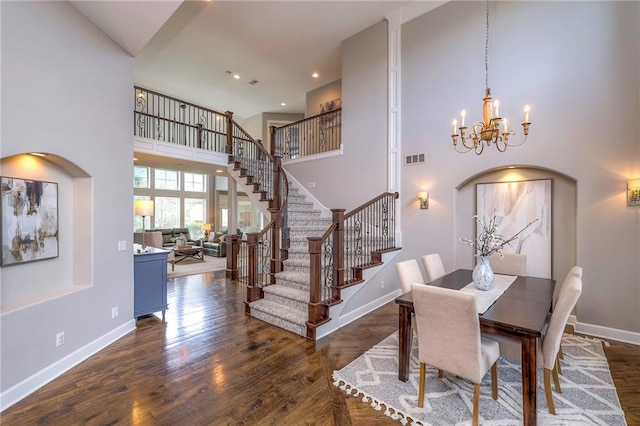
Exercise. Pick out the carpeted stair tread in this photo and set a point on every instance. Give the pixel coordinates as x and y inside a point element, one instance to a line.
<point>296,277</point>
<point>277,310</point>
<point>288,292</point>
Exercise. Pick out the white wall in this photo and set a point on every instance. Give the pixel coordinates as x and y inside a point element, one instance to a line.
<point>67,90</point>
<point>361,173</point>
<point>578,65</point>
<point>323,94</point>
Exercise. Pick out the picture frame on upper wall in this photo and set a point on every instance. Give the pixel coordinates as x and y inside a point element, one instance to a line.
<point>515,204</point>
<point>29,211</point>
<point>330,120</point>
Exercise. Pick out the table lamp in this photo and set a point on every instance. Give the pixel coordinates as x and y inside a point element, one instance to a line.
<point>143,208</point>
<point>207,228</point>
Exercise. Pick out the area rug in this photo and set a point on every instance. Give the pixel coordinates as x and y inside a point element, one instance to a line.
<point>588,396</point>
<point>192,266</point>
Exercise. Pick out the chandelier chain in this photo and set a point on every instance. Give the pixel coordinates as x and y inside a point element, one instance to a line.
<point>486,52</point>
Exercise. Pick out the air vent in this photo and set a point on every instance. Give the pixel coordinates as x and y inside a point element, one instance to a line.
<point>410,160</point>
<point>252,82</point>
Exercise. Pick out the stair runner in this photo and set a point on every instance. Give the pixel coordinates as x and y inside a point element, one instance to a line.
<point>285,303</point>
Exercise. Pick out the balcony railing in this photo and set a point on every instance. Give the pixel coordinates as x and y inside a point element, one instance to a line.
<point>161,117</point>
<point>314,135</point>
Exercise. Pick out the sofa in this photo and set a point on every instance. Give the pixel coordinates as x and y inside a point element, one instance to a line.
<point>216,245</point>
<point>169,235</point>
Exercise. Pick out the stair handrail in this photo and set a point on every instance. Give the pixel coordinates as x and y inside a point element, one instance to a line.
<point>331,256</point>
<point>264,171</point>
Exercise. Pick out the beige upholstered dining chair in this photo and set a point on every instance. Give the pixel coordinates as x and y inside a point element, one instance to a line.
<point>449,339</point>
<point>576,271</point>
<point>510,264</point>
<point>433,266</point>
<point>408,273</point>
<point>547,356</point>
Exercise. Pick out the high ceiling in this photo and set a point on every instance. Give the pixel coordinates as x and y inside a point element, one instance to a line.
<point>184,49</point>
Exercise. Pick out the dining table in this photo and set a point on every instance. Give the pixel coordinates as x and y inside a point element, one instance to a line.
<point>520,312</point>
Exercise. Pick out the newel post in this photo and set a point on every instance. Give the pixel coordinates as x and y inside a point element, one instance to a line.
<point>317,311</point>
<point>229,115</point>
<point>272,140</point>
<point>276,256</point>
<point>254,292</point>
<point>199,135</point>
<point>338,251</point>
<point>233,248</point>
<point>277,196</point>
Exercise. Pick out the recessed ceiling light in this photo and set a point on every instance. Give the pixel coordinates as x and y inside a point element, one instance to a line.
<point>135,159</point>
<point>283,104</point>
<point>315,75</point>
<point>219,171</point>
<point>236,76</point>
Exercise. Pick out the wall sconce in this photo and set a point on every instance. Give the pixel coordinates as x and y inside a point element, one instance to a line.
<point>633,192</point>
<point>424,200</point>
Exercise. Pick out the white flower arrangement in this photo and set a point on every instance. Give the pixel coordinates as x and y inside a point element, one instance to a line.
<point>489,241</point>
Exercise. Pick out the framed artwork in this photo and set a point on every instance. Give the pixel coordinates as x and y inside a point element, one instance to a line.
<point>330,120</point>
<point>29,210</point>
<point>515,204</point>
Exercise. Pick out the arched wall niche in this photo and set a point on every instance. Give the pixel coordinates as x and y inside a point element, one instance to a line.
<point>31,283</point>
<point>563,206</point>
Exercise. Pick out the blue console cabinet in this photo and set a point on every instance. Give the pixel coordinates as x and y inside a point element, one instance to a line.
<point>149,281</point>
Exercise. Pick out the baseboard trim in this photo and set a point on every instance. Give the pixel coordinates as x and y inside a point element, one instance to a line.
<point>41,378</point>
<point>608,333</point>
<point>369,307</point>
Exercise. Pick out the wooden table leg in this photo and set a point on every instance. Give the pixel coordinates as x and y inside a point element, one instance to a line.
<point>404,343</point>
<point>529,380</point>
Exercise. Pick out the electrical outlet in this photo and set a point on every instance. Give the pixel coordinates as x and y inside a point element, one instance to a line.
<point>60,339</point>
<point>114,312</point>
<point>381,284</point>
<point>122,245</point>
<point>311,184</point>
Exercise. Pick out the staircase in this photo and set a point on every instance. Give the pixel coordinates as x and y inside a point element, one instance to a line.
<point>285,303</point>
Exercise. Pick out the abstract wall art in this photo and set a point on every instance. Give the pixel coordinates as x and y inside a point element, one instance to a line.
<point>29,210</point>
<point>515,204</point>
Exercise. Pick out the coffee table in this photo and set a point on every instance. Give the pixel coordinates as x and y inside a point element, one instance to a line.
<point>188,252</point>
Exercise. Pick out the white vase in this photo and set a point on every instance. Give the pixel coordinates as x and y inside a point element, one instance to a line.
<point>483,274</point>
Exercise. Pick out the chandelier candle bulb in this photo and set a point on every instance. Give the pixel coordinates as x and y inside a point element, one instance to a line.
<point>496,104</point>
<point>455,122</point>
<point>463,114</point>
<point>526,113</point>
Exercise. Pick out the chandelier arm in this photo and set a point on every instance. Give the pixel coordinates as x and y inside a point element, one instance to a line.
<point>504,144</point>
<point>517,144</point>
<point>462,151</point>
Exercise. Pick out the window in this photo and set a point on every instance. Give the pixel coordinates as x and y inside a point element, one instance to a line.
<point>194,182</point>
<point>194,216</point>
<point>166,179</point>
<point>141,177</point>
<point>167,212</point>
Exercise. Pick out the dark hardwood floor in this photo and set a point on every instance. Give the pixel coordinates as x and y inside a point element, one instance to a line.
<point>210,364</point>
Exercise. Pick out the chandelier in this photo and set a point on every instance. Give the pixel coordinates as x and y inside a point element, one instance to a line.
<point>493,128</point>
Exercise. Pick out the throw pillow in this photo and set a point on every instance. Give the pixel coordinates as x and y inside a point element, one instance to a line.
<point>217,240</point>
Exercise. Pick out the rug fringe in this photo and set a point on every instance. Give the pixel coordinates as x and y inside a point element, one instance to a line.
<point>389,411</point>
